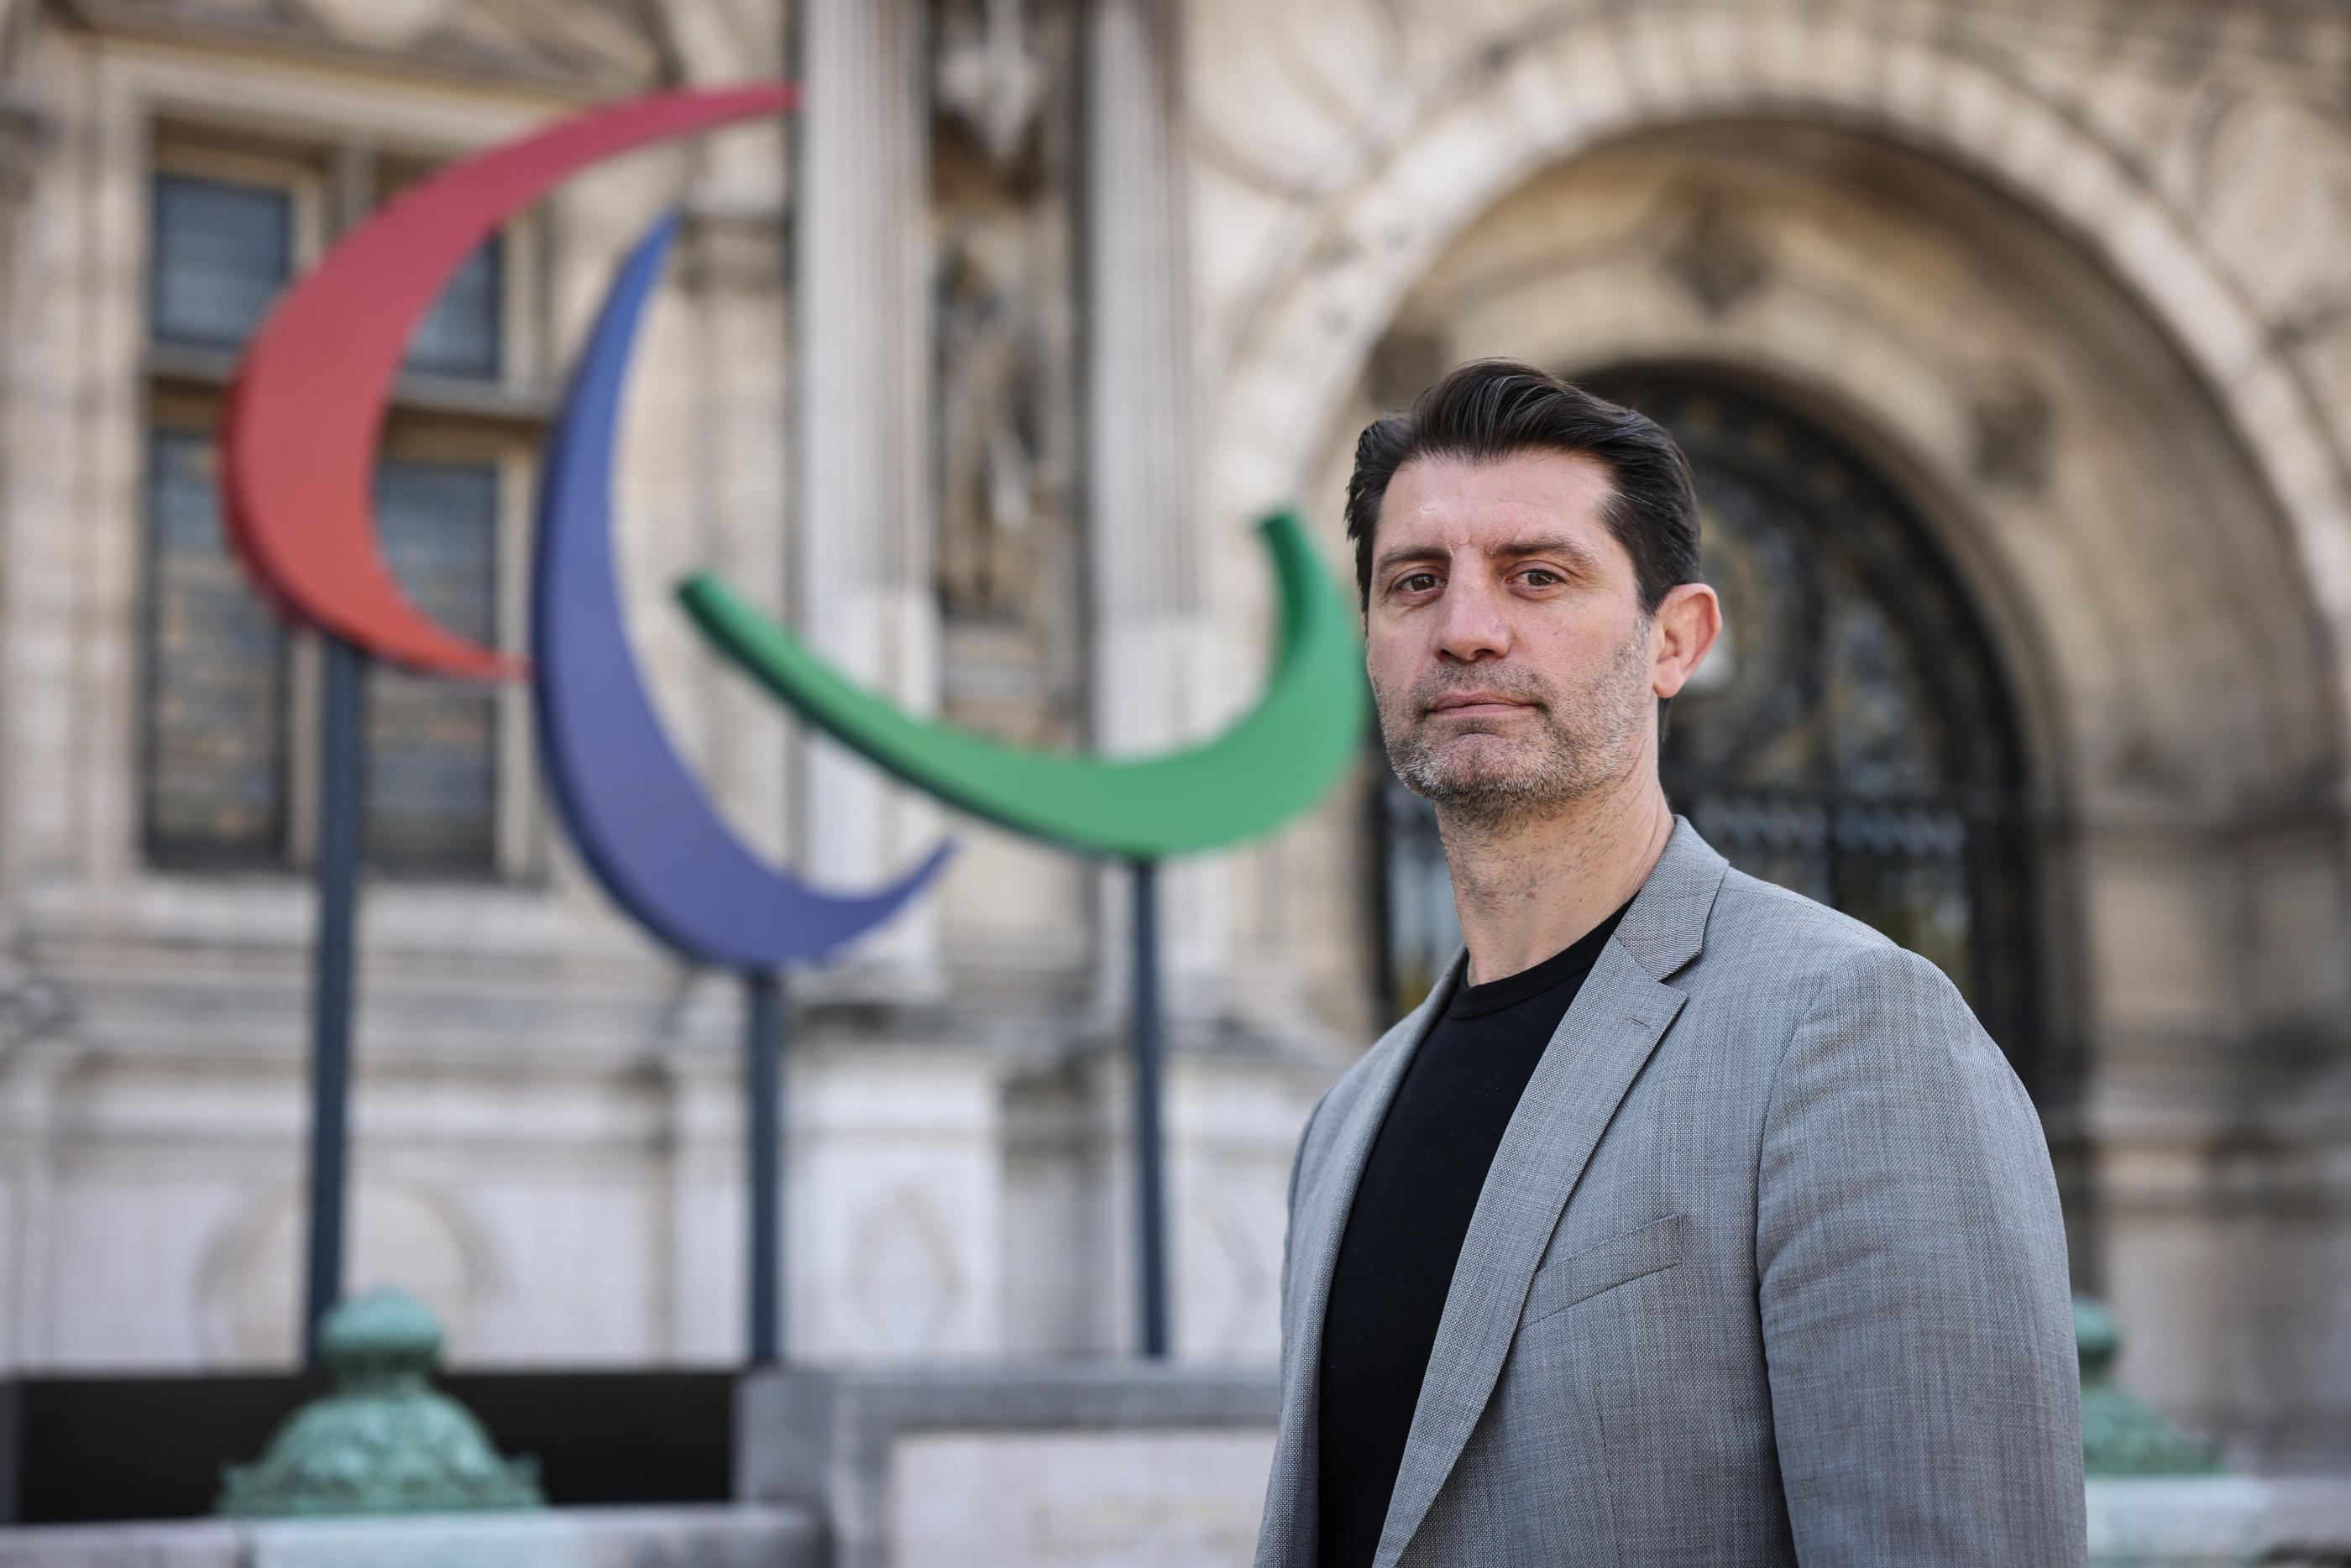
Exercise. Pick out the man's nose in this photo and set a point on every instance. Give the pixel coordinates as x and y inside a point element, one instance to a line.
<point>1475,624</point>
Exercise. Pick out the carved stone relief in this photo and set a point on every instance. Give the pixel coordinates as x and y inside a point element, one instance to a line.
<point>903,1277</point>
<point>986,74</point>
<point>988,456</point>
<point>2013,433</point>
<point>1004,422</point>
<point>1714,250</point>
<point>1404,360</point>
<point>2274,178</point>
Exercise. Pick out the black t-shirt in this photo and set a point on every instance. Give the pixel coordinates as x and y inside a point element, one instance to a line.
<point>1404,1232</point>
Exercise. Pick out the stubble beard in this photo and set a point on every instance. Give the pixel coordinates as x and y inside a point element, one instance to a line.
<point>1587,735</point>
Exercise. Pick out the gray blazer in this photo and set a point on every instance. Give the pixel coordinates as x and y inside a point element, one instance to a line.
<point>1768,1269</point>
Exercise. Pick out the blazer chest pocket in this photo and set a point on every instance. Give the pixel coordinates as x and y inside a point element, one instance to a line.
<point>1565,1281</point>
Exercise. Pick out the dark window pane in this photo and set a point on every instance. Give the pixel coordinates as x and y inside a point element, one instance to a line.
<point>432,743</point>
<point>215,703</point>
<point>460,337</point>
<point>221,253</point>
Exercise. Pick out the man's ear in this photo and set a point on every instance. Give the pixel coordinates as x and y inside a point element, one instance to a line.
<point>1680,634</point>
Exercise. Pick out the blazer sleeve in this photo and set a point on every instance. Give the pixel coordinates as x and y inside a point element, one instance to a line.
<point>1916,1324</point>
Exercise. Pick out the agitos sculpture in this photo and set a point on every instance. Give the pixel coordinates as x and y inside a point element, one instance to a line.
<point>299,439</point>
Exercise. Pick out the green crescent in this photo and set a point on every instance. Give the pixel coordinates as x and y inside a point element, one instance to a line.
<point>1276,762</point>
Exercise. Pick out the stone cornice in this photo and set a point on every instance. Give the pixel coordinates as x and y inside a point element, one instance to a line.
<point>559,67</point>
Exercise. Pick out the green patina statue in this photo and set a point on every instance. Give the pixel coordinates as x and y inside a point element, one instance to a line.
<point>2121,1437</point>
<point>384,1441</point>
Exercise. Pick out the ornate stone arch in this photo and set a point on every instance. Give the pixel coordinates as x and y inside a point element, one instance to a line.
<point>1333,268</point>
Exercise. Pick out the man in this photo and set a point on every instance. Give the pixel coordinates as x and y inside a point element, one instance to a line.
<point>1686,1221</point>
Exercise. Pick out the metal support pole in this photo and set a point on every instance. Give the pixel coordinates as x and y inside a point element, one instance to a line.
<point>341,755</point>
<point>763,1082</point>
<point>1149,1040</point>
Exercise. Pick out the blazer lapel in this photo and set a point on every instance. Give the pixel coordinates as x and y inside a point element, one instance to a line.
<point>1332,1164</point>
<point>1598,1050</point>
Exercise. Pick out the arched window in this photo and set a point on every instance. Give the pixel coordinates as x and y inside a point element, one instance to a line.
<point>1851,736</point>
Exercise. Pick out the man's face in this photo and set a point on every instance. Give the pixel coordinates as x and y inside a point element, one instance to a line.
<point>1509,657</point>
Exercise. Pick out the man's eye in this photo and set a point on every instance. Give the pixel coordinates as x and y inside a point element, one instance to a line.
<point>1419,582</point>
<point>1540,577</point>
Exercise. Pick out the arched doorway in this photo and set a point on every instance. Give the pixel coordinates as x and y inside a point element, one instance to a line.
<point>2075,369</point>
<point>1852,736</point>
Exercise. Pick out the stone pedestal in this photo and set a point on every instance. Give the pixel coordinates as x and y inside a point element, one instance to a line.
<point>1100,1467</point>
<point>2190,1521</point>
<point>720,1537</point>
<point>2217,1521</point>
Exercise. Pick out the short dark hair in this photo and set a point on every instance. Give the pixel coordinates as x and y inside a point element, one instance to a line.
<point>1493,409</point>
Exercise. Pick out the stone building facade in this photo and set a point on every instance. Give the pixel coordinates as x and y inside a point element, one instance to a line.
<point>2011,343</point>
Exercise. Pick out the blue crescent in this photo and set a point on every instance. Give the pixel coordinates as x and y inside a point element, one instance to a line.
<point>642,823</point>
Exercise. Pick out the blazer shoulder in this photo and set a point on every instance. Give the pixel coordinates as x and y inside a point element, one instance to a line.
<point>1755,923</point>
<point>1832,978</point>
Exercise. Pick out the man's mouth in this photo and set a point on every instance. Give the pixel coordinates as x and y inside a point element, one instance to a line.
<point>1476,705</point>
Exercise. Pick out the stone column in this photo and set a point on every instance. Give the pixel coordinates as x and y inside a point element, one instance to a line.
<point>26,132</point>
<point>1152,672</point>
<point>37,650</point>
<point>863,591</point>
<point>1139,388</point>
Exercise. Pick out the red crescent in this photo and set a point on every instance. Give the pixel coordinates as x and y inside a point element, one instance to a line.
<point>305,411</point>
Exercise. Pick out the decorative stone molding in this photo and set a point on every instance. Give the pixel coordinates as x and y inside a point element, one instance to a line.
<point>390,25</point>
<point>598,49</point>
